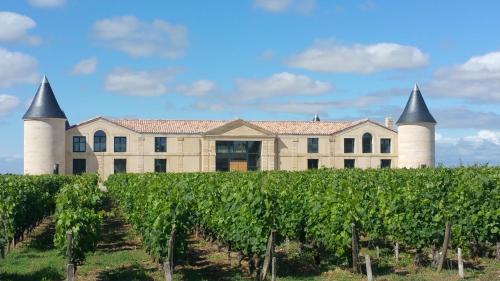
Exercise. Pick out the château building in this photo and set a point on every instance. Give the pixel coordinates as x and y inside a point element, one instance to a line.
<point>106,146</point>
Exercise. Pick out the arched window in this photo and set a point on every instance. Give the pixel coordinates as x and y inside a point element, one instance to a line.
<point>100,141</point>
<point>367,143</point>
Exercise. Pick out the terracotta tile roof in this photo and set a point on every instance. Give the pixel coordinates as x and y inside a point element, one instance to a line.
<point>202,126</point>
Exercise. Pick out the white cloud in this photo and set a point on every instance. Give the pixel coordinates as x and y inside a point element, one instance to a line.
<point>14,28</point>
<point>47,3</point>
<point>198,88</point>
<point>477,79</point>
<point>329,56</point>
<point>485,136</point>
<point>368,5</point>
<point>17,68</point>
<point>273,5</point>
<point>301,108</point>
<point>7,104</point>
<point>137,38</point>
<point>11,164</point>
<point>267,55</point>
<point>279,6</point>
<point>481,148</point>
<point>137,83</point>
<point>85,67</point>
<point>280,84</point>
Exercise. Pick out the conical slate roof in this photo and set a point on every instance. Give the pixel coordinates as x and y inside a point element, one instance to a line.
<point>416,110</point>
<point>44,104</point>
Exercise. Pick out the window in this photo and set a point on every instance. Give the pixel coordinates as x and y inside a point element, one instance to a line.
<point>312,145</point>
<point>312,164</point>
<point>385,163</point>
<point>120,166</point>
<point>79,166</point>
<point>79,144</point>
<point>56,169</point>
<point>160,144</point>
<point>385,145</point>
<point>100,141</point>
<point>120,144</point>
<point>348,145</point>
<point>349,163</point>
<point>367,143</point>
<point>160,165</point>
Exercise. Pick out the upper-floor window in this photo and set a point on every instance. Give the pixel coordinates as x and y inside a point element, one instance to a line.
<point>385,145</point>
<point>120,144</point>
<point>349,145</point>
<point>79,144</point>
<point>367,143</point>
<point>100,141</point>
<point>160,144</point>
<point>312,145</point>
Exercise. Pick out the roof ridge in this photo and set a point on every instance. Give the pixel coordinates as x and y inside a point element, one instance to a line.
<point>229,120</point>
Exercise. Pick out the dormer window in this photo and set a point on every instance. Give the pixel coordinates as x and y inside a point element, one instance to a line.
<point>367,143</point>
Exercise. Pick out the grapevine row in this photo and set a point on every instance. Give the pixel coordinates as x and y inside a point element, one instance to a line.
<point>24,202</point>
<point>409,207</point>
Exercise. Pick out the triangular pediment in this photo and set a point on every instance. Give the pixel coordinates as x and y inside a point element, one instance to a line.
<point>239,127</point>
<point>99,122</point>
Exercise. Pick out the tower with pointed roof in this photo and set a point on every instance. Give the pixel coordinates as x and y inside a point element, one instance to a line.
<point>416,133</point>
<point>44,133</point>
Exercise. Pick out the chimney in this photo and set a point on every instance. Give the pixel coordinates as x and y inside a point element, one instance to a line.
<point>316,118</point>
<point>389,122</point>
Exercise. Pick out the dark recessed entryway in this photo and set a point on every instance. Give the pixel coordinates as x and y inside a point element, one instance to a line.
<point>237,155</point>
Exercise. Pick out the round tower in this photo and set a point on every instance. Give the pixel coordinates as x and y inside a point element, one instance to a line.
<point>44,134</point>
<point>416,134</point>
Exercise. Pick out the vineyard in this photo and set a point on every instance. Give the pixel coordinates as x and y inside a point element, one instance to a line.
<point>325,213</point>
<point>317,208</point>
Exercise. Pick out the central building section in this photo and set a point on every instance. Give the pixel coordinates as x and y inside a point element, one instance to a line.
<point>238,145</point>
<point>237,155</point>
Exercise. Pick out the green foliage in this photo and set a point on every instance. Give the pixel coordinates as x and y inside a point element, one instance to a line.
<point>25,201</point>
<point>78,206</point>
<point>240,209</point>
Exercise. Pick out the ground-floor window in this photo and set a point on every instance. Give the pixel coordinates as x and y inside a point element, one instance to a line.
<point>312,164</point>
<point>160,165</point>
<point>79,166</point>
<point>237,155</point>
<point>120,166</point>
<point>349,163</point>
<point>385,163</point>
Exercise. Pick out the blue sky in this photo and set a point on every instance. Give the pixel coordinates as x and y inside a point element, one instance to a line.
<point>256,59</point>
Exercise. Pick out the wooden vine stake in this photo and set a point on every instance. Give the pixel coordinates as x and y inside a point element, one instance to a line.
<point>169,262</point>
<point>446,242</point>
<point>378,252</point>
<point>273,270</point>
<point>269,254</point>
<point>354,249</point>
<point>396,251</point>
<point>368,267</point>
<point>460,264</point>
<point>70,267</point>
<point>497,255</point>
